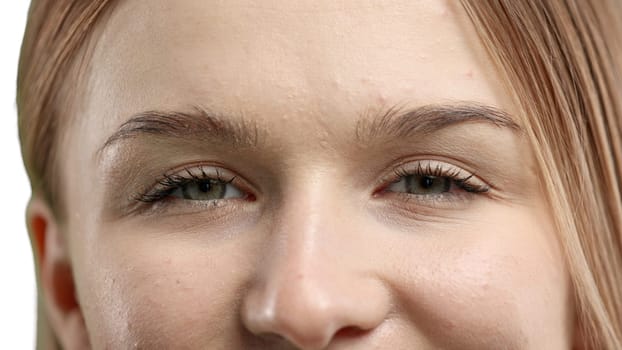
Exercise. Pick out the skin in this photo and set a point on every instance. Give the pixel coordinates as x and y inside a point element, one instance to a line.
<point>320,252</point>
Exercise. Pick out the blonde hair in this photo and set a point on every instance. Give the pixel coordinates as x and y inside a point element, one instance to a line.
<point>53,44</point>
<point>561,60</point>
<point>55,35</point>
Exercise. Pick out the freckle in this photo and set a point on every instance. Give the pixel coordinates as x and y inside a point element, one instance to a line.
<point>177,281</point>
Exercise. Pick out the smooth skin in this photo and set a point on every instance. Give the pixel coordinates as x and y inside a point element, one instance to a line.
<point>318,237</point>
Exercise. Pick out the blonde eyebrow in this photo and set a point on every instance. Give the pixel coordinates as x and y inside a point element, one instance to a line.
<point>426,119</point>
<point>198,122</point>
<point>201,123</point>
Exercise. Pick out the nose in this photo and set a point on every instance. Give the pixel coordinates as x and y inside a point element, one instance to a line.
<point>316,284</point>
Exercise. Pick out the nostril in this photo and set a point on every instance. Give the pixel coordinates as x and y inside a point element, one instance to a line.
<point>350,332</point>
<point>272,338</point>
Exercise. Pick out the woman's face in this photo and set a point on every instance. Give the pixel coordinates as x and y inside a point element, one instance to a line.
<point>306,174</point>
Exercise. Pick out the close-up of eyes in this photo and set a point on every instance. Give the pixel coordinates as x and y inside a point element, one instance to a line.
<point>422,180</point>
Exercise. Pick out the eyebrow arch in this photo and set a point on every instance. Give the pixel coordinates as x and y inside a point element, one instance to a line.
<point>240,132</point>
<point>197,122</point>
<point>401,122</point>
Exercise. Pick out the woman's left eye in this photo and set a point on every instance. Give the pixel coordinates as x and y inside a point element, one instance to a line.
<point>422,184</point>
<point>434,179</point>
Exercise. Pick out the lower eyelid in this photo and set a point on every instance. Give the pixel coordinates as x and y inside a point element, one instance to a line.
<point>420,204</point>
<point>179,207</point>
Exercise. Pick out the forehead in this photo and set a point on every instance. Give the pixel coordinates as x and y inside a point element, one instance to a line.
<point>317,59</point>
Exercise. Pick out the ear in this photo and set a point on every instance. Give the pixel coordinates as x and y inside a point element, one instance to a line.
<point>56,282</point>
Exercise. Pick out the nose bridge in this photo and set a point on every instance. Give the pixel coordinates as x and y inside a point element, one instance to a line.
<point>310,285</point>
<point>305,228</point>
<point>306,223</point>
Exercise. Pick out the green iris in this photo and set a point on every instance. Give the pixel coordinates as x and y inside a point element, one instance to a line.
<point>202,190</point>
<point>425,184</point>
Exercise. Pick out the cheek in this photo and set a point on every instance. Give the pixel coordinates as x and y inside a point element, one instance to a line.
<point>493,278</point>
<point>497,278</point>
<point>159,292</point>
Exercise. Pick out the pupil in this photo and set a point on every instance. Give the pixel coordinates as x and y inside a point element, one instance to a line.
<point>427,182</point>
<point>204,186</point>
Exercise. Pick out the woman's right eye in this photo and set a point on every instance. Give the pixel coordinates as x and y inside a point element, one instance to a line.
<point>422,184</point>
<point>193,184</point>
<point>205,190</point>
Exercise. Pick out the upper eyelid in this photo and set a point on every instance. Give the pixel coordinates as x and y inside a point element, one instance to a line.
<point>198,177</point>
<point>437,170</point>
<point>169,180</point>
<point>425,166</point>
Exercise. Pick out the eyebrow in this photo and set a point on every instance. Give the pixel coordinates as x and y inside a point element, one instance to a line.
<point>197,122</point>
<point>396,121</point>
<point>402,122</point>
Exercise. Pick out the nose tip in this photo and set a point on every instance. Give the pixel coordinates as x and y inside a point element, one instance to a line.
<point>295,326</point>
<point>309,317</point>
<point>307,329</point>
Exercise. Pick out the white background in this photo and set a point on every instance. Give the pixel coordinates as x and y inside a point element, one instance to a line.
<point>17,281</point>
